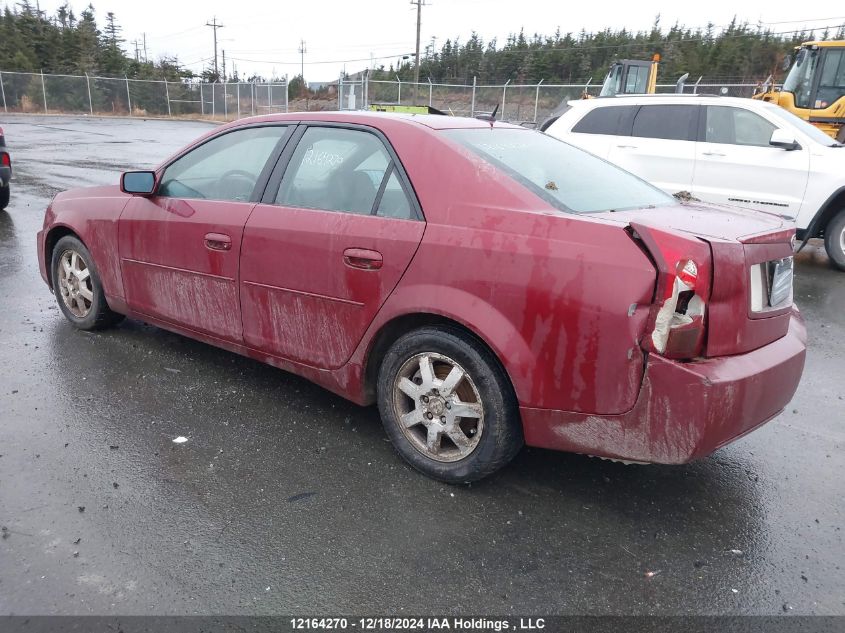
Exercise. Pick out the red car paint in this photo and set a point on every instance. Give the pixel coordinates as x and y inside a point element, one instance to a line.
<point>565,301</point>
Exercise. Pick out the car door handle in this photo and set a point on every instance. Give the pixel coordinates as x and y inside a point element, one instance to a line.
<point>218,242</point>
<point>712,154</point>
<point>627,146</point>
<point>362,258</point>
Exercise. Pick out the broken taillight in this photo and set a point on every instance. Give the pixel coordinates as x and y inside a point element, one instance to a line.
<point>678,323</point>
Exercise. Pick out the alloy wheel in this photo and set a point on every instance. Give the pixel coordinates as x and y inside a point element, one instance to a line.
<point>75,287</point>
<point>438,407</point>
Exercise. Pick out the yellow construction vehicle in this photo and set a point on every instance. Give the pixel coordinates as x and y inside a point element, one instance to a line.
<point>631,77</point>
<point>814,88</point>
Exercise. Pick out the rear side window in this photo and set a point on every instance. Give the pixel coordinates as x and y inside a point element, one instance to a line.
<point>671,122</point>
<point>601,121</point>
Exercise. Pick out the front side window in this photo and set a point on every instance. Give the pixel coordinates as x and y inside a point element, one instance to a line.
<point>566,177</point>
<point>337,169</point>
<point>736,126</point>
<point>671,122</point>
<point>225,168</point>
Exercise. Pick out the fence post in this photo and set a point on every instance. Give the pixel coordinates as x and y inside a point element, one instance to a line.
<point>252,96</point>
<point>537,100</point>
<point>504,94</point>
<point>238,97</point>
<point>340,91</point>
<point>472,105</point>
<point>167,94</point>
<point>128,97</point>
<point>44,91</point>
<point>3,92</point>
<point>213,102</point>
<point>269,98</point>
<point>429,91</point>
<point>202,102</point>
<point>225,105</point>
<point>366,96</point>
<point>399,100</point>
<point>90,101</point>
<point>287,97</point>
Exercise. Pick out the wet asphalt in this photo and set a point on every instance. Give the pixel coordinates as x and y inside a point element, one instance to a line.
<point>287,499</point>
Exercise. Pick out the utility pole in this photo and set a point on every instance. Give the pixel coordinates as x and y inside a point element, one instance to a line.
<point>419,4</point>
<point>146,59</point>
<point>302,51</point>
<point>213,24</point>
<point>137,52</point>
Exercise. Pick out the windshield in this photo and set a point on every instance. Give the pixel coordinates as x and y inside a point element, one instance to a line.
<point>799,81</point>
<point>568,178</point>
<point>613,82</point>
<point>812,131</point>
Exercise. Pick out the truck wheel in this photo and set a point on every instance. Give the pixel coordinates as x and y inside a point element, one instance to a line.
<point>447,406</point>
<point>77,286</point>
<point>834,240</point>
<point>5,194</point>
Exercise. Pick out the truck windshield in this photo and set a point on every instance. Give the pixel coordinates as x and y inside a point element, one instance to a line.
<point>799,81</point>
<point>566,177</point>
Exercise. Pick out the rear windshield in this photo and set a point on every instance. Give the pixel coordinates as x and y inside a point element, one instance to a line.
<point>567,177</point>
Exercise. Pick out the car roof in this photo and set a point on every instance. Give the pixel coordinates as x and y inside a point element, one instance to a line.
<point>363,117</point>
<point>660,98</point>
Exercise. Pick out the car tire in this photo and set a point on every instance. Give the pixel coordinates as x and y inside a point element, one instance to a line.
<point>77,286</point>
<point>834,240</point>
<point>5,195</point>
<point>426,380</point>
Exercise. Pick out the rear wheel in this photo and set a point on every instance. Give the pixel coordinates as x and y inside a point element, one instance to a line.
<point>5,194</point>
<point>834,240</point>
<point>77,286</point>
<point>447,406</point>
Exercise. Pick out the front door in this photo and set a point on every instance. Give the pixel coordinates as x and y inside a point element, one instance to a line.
<point>321,255</point>
<point>180,248</point>
<point>736,165</point>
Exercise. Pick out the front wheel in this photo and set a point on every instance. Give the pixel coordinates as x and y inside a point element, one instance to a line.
<point>5,194</point>
<point>834,240</point>
<point>77,286</point>
<point>447,406</point>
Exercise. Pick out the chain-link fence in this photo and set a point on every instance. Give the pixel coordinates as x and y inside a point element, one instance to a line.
<point>523,103</point>
<point>70,94</point>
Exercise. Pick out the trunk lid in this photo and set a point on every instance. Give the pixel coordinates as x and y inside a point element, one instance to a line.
<point>751,264</point>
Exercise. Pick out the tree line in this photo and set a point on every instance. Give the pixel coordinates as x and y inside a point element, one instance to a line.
<point>739,53</point>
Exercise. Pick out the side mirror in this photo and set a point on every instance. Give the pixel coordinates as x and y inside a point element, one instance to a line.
<point>787,62</point>
<point>138,182</point>
<point>784,140</point>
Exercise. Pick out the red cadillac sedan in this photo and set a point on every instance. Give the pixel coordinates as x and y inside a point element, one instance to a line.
<point>487,285</point>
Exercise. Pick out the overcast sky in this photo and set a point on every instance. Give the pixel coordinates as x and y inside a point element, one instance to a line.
<point>263,36</point>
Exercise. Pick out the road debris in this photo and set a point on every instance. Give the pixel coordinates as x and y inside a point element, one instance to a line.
<point>180,440</point>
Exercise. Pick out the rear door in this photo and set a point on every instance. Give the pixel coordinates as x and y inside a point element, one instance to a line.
<point>736,165</point>
<point>180,249</point>
<point>336,230</point>
<point>659,145</point>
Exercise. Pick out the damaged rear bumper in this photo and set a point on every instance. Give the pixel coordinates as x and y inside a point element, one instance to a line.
<point>684,411</point>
